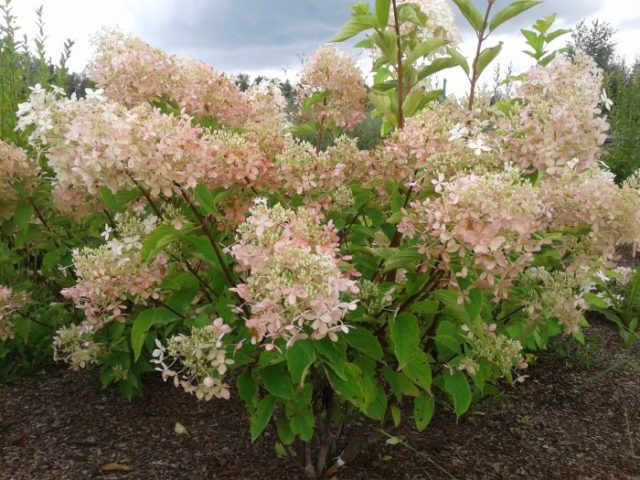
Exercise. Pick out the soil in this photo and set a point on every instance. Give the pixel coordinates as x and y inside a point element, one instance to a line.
<point>576,417</point>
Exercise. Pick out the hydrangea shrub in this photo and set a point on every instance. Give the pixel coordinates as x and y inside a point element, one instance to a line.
<point>330,283</point>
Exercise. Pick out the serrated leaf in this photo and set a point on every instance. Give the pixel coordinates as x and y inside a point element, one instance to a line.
<point>315,98</point>
<point>423,409</point>
<point>143,322</point>
<point>303,129</point>
<point>300,357</point>
<point>425,48</point>
<point>457,386</point>
<point>205,199</point>
<point>487,56</point>
<point>510,11</point>
<point>406,258</point>
<point>412,101</point>
<point>247,389</point>
<point>366,342</point>
<point>556,33</point>
<point>436,66</point>
<point>396,415</point>
<point>277,381</point>
<point>405,336</point>
<point>459,58</point>
<point>283,428</point>
<point>260,418</point>
<point>109,198</point>
<point>357,24</point>
<point>300,413</point>
<point>382,12</point>
<point>419,370</point>
<point>160,237</point>
<point>22,216</point>
<point>399,383</point>
<point>471,13</point>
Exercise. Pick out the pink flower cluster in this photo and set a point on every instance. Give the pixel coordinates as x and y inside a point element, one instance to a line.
<point>132,73</point>
<point>433,141</point>
<point>560,122</point>
<point>318,175</point>
<point>482,226</point>
<point>591,199</point>
<point>15,167</point>
<point>10,303</point>
<point>293,279</point>
<point>334,72</point>
<point>95,143</point>
<point>113,275</point>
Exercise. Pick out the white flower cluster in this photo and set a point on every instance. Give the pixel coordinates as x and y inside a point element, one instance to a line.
<point>196,362</point>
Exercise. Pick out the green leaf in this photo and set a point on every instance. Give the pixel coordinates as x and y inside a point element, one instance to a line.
<point>381,101</point>
<point>205,199</point>
<point>159,238</point>
<point>458,388</point>
<point>300,356</point>
<point>22,216</point>
<point>399,383</point>
<point>425,307</point>
<point>109,199</point>
<point>334,354</point>
<point>396,415</point>
<point>510,11</point>
<point>277,381</point>
<point>366,342</point>
<point>471,13</point>
<point>447,345</point>
<point>474,306</point>
<point>260,418</point>
<point>419,370</point>
<point>144,321</point>
<point>349,387</point>
<point>459,58</point>
<point>382,12</point>
<point>412,102</point>
<point>555,34</point>
<point>406,258</point>
<point>303,129</point>
<point>315,98</point>
<point>487,56</point>
<point>247,389</point>
<point>283,428</point>
<point>300,413</point>
<point>452,307</point>
<point>405,335</point>
<point>423,409</point>
<point>425,48</point>
<point>438,65</point>
<point>357,24</point>
<point>633,295</point>
<point>181,300</point>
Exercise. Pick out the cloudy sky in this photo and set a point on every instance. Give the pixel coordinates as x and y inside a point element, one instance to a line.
<point>271,37</point>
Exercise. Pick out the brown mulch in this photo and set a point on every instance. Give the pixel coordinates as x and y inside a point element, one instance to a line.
<point>576,417</point>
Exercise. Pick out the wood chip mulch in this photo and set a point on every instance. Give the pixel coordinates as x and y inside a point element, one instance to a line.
<point>576,417</point>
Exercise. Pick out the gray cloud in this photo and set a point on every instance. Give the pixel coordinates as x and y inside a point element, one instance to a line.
<point>236,35</point>
<point>246,34</point>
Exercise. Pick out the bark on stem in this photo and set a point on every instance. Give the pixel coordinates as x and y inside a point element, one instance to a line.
<point>399,91</point>
<point>481,38</point>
